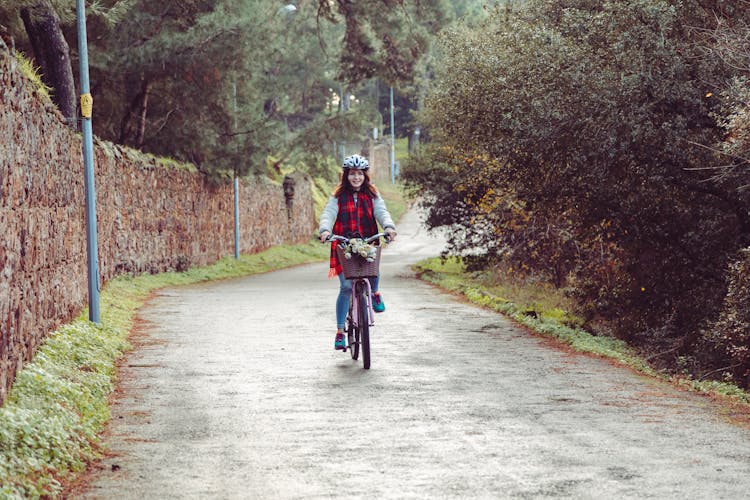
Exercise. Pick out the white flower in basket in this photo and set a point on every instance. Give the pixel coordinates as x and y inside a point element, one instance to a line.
<point>359,247</point>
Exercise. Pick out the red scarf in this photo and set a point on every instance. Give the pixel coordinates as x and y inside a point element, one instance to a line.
<point>352,218</point>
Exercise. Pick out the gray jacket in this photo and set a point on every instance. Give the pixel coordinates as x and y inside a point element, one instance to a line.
<point>331,211</point>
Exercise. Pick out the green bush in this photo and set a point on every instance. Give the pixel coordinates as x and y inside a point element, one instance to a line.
<point>581,144</point>
<point>730,335</point>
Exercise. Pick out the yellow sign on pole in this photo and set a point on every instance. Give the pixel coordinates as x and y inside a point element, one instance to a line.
<point>87,105</point>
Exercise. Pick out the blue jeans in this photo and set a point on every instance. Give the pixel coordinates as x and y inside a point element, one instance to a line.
<point>345,295</point>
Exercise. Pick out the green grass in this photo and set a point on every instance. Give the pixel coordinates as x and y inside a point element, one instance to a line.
<point>394,199</point>
<point>402,149</point>
<point>321,191</point>
<point>31,72</point>
<point>58,404</point>
<point>545,311</point>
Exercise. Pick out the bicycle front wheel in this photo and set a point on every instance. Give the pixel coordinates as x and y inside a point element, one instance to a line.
<point>352,335</point>
<point>364,329</point>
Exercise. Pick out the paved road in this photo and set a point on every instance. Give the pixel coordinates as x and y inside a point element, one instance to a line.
<point>235,391</point>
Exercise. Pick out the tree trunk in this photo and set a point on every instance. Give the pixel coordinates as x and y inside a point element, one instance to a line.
<point>144,110</point>
<point>52,53</point>
<point>135,134</point>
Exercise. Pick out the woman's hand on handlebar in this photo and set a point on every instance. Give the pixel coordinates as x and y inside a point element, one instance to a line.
<point>391,234</point>
<point>324,236</point>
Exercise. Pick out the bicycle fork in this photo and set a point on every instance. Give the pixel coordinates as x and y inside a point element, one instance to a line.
<point>355,304</point>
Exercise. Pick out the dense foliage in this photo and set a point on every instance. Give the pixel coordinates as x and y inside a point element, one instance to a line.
<point>384,38</point>
<point>222,84</point>
<point>578,143</point>
<point>728,342</point>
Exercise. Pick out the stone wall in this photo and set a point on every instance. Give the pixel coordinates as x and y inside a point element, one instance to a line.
<point>152,216</point>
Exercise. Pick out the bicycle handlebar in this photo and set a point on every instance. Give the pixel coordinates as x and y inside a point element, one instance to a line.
<point>344,239</point>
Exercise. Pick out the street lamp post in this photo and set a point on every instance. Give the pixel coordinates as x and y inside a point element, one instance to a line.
<point>92,251</point>
<point>236,216</point>
<point>343,108</point>
<point>393,144</point>
<point>236,183</point>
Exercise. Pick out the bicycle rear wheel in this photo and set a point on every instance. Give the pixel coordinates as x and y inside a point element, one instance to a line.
<point>364,328</point>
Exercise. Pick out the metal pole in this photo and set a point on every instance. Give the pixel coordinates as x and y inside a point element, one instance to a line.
<point>236,178</point>
<point>236,217</point>
<point>342,109</point>
<point>393,144</point>
<point>88,161</point>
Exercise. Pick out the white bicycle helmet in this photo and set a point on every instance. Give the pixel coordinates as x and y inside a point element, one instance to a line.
<point>356,162</point>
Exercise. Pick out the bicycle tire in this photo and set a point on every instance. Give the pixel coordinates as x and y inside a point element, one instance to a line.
<point>352,337</point>
<point>364,328</point>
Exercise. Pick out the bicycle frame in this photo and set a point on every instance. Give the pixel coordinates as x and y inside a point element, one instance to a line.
<point>357,284</point>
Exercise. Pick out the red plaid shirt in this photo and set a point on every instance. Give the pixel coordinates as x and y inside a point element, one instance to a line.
<point>352,218</point>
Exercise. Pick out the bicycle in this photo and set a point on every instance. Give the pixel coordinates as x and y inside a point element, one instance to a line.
<point>361,315</point>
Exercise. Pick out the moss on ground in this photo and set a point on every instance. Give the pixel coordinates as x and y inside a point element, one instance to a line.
<point>33,73</point>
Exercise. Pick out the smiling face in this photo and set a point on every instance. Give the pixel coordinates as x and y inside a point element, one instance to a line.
<point>356,178</point>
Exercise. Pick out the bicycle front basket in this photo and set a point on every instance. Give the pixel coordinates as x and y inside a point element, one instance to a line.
<point>357,267</point>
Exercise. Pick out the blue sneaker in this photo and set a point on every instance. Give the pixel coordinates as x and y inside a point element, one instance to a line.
<point>339,344</point>
<point>377,303</point>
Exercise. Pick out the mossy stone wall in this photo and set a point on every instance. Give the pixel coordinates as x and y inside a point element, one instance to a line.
<point>153,215</point>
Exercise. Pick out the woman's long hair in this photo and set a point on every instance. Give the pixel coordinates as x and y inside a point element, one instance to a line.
<point>345,185</point>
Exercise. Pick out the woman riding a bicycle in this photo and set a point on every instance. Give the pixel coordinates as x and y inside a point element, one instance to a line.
<point>356,208</point>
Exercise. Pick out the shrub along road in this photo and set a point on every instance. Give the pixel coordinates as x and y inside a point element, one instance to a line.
<point>235,391</point>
